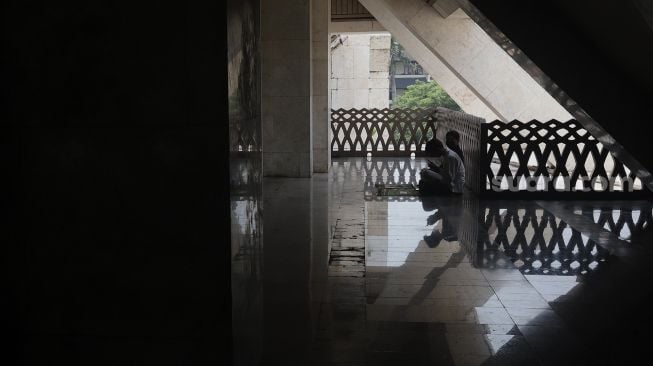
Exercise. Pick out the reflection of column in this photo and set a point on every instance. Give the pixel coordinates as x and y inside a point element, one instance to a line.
<point>320,244</point>
<point>376,233</point>
<point>469,230</point>
<point>246,281</point>
<point>286,269</point>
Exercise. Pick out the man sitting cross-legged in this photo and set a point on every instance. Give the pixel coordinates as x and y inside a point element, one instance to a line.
<point>447,178</point>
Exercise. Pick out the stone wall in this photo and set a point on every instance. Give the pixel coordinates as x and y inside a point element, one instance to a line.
<point>359,71</point>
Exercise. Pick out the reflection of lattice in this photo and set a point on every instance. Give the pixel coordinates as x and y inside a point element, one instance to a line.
<point>537,243</point>
<point>579,161</point>
<point>381,132</point>
<point>469,228</point>
<point>623,222</point>
<point>245,135</point>
<point>391,172</point>
<point>245,175</point>
<point>379,171</point>
<point>372,197</point>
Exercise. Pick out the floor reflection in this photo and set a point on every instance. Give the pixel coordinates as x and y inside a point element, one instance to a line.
<point>535,241</point>
<point>373,171</point>
<point>485,280</point>
<point>625,221</point>
<point>419,271</point>
<point>453,281</point>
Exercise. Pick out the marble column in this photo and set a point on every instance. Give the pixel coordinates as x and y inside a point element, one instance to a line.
<point>286,88</point>
<point>320,17</point>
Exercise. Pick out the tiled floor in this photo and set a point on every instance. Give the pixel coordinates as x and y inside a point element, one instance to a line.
<point>447,281</point>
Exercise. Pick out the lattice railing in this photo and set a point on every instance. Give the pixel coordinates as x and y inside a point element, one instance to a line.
<point>381,132</point>
<point>545,158</point>
<point>550,157</point>
<point>536,242</point>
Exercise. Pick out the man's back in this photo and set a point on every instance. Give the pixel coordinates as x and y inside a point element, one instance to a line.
<point>458,151</point>
<point>454,171</point>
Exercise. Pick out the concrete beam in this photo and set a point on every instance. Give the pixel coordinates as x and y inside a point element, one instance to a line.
<point>392,17</point>
<point>444,7</point>
<point>356,26</point>
<point>476,72</point>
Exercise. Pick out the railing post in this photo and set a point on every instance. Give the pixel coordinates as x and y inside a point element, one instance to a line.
<point>484,161</point>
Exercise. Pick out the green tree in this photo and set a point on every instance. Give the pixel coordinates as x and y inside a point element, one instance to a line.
<point>424,95</point>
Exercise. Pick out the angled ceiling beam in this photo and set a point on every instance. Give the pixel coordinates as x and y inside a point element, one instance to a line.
<point>444,7</point>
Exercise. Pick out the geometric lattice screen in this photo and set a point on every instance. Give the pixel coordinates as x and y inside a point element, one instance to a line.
<point>551,156</point>
<point>381,132</point>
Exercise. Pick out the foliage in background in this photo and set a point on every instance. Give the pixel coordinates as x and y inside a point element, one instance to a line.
<point>425,95</point>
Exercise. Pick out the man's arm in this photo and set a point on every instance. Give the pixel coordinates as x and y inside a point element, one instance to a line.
<point>432,166</point>
<point>454,169</point>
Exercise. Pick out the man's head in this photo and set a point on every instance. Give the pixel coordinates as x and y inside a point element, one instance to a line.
<point>453,138</point>
<point>435,148</point>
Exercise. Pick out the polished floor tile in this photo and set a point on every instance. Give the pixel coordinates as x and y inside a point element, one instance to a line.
<point>452,281</point>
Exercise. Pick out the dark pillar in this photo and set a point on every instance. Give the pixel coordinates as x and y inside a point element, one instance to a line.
<point>114,142</point>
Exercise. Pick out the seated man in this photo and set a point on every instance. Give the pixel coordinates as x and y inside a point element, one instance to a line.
<point>452,139</point>
<point>445,179</point>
